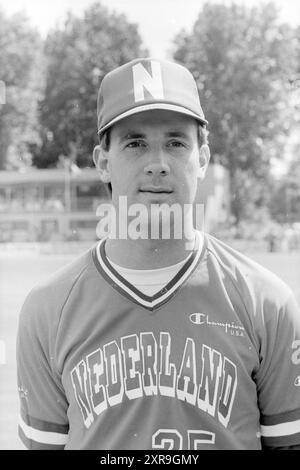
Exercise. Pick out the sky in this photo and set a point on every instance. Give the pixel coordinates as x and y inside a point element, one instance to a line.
<point>158,20</point>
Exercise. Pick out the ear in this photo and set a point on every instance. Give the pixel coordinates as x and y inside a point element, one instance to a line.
<point>204,157</point>
<point>100,158</point>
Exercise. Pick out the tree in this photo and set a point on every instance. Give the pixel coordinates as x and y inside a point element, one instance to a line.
<point>20,47</point>
<point>242,58</point>
<point>78,57</point>
<point>295,80</point>
<point>285,206</point>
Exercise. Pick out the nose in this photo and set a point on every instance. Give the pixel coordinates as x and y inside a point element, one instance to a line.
<point>157,166</point>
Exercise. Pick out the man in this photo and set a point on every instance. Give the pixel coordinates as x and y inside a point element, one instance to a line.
<point>158,341</point>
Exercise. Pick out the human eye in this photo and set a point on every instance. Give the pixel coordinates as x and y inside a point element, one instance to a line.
<point>135,144</point>
<point>176,143</point>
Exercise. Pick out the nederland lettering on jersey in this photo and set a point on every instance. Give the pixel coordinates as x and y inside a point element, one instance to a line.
<point>141,365</point>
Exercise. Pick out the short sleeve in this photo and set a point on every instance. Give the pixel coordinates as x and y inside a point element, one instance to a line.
<point>278,379</point>
<point>43,422</point>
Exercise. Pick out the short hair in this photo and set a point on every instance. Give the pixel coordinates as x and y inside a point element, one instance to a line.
<point>105,138</point>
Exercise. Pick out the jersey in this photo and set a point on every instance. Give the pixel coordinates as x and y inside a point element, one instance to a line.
<point>149,281</point>
<point>211,361</point>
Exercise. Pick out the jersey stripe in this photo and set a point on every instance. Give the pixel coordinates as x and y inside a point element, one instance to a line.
<point>43,437</point>
<point>283,429</point>
<point>281,441</point>
<point>110,269</point>
<point>131,292</point>
<point>289,416</point>
<point>33,445</point>
<point>43,425</point>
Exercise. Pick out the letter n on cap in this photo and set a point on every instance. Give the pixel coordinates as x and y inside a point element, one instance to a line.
<point>143,80</point>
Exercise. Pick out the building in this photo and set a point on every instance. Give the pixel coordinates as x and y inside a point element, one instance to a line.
<point>49,205</point>
<point>56,204</point>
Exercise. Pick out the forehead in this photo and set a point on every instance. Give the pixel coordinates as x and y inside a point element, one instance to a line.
<point>155,122</point>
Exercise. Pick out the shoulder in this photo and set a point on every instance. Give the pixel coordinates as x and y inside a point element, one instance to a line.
<point>252,281</point>
<point>46,300</point>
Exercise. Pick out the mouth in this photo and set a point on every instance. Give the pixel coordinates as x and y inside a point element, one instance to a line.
<point>156,190</point>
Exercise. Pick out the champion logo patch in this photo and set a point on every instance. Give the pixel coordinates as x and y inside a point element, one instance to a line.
<point>197,318</point>
<point>232,328</point>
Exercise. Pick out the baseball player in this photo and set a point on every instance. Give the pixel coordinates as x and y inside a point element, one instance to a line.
<point>154,342</point>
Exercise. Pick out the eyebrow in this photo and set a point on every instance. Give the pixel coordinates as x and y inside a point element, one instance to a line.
<point>132,135</point>
<point>139,135</point>
<point>177,134</point>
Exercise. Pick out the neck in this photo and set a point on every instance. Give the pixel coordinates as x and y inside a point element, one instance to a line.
<point>148,254</point>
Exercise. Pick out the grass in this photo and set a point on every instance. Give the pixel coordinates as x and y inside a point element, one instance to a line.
<point>19,273</point>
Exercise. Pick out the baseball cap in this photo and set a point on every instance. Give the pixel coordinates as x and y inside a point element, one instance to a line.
<point>145,84</point>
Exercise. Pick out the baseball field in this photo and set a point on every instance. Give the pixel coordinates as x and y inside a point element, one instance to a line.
<point>20,272</point>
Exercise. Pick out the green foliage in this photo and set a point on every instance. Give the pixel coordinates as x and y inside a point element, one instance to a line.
<point>20,47</point>
<point>78,57</point>
<point>242,59</point>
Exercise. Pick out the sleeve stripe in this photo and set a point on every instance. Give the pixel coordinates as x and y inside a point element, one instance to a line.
<point>43,425</point>
<point>282,441</point>
<point>280,418</point>
<point>43,437</point>
<point>33,445</point>
<point>284,429</point>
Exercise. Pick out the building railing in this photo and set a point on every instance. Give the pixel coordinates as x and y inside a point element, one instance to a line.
<point>82,204</point>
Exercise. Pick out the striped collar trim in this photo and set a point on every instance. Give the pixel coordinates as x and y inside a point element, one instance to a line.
<point>125,288</point>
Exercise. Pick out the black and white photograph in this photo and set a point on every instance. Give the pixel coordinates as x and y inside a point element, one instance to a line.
<point>149,227</point>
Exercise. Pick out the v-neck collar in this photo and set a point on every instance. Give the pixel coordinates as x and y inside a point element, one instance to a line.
<point>129,291</point>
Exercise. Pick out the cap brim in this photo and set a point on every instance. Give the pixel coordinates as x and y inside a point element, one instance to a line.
<point>149,107</point>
